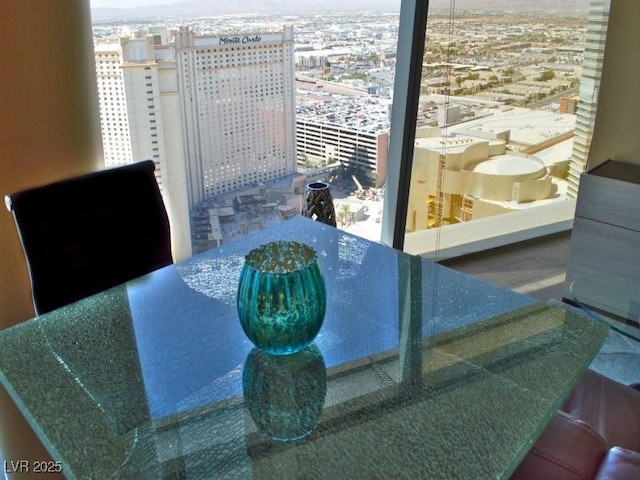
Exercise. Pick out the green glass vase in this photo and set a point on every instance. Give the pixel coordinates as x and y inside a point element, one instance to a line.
<point>281,297</point>
<point>285,394</point>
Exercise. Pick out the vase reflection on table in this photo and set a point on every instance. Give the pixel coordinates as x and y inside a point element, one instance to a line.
<point>281,297</point>
<point>285,393</point>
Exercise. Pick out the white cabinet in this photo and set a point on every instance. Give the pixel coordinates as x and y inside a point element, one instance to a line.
<point>606,232</point>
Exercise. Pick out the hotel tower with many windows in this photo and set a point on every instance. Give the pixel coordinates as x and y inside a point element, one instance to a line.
<point>597,20</point>
<point>214,113</point>
<point>237,95</point>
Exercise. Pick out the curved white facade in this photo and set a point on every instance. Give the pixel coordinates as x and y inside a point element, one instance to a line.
<point>509,178</point>
<point>460,178</point>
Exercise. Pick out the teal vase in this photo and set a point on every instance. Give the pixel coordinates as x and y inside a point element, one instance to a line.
<point>281,297</point>
<point>285,394</point>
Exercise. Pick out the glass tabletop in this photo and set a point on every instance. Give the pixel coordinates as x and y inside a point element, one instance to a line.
<point>610,298</point>
<point>417,370</point>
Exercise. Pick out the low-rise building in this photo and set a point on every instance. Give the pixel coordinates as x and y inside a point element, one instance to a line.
<point>458,179</point>
<point>352,131</point>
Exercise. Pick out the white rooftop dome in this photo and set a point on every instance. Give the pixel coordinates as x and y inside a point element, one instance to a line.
<point>510,165</point>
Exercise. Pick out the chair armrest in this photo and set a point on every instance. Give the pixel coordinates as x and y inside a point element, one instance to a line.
<point>568,449</point>
<point>620,464</point>
<point>611,408</point>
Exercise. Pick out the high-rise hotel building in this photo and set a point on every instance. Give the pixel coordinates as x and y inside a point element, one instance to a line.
<point>214,113</point>
<point>597,20</point>
<point>237,96</point>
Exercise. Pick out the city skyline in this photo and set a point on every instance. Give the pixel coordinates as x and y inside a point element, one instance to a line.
<point>499,61</point>
<point>215,113</point>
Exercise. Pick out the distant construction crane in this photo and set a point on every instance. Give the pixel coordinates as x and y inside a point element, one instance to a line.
<point>358,184</point>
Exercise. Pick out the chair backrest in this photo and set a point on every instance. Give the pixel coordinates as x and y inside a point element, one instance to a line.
<point>89,233</point>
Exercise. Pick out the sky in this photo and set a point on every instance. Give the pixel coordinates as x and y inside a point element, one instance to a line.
<point>128,3</point>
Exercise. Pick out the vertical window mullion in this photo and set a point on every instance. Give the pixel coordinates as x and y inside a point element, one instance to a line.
<point>406,94</point>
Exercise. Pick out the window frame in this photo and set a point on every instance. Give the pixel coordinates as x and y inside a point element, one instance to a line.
<point>412,31</point>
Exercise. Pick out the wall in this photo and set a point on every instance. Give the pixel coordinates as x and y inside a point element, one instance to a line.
<point>490,232</point>
<point>615,134</point>
<point>49,129</point>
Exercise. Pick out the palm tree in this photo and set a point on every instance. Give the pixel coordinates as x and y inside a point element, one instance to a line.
<point>343,213</point>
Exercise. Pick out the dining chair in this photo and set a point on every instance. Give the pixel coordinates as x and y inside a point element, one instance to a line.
<point>89,233</point>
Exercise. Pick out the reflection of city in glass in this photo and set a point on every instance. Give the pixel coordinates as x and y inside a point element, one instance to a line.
<point>241,112</point>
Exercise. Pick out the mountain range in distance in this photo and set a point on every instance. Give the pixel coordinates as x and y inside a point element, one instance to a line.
<point>200,8</point>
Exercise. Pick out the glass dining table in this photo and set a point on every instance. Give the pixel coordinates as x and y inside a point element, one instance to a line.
<point>418,371</point>
<point>610,298</point>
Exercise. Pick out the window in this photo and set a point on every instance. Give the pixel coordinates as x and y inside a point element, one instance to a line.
<point>465,60</point>
<point>488,140</point>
